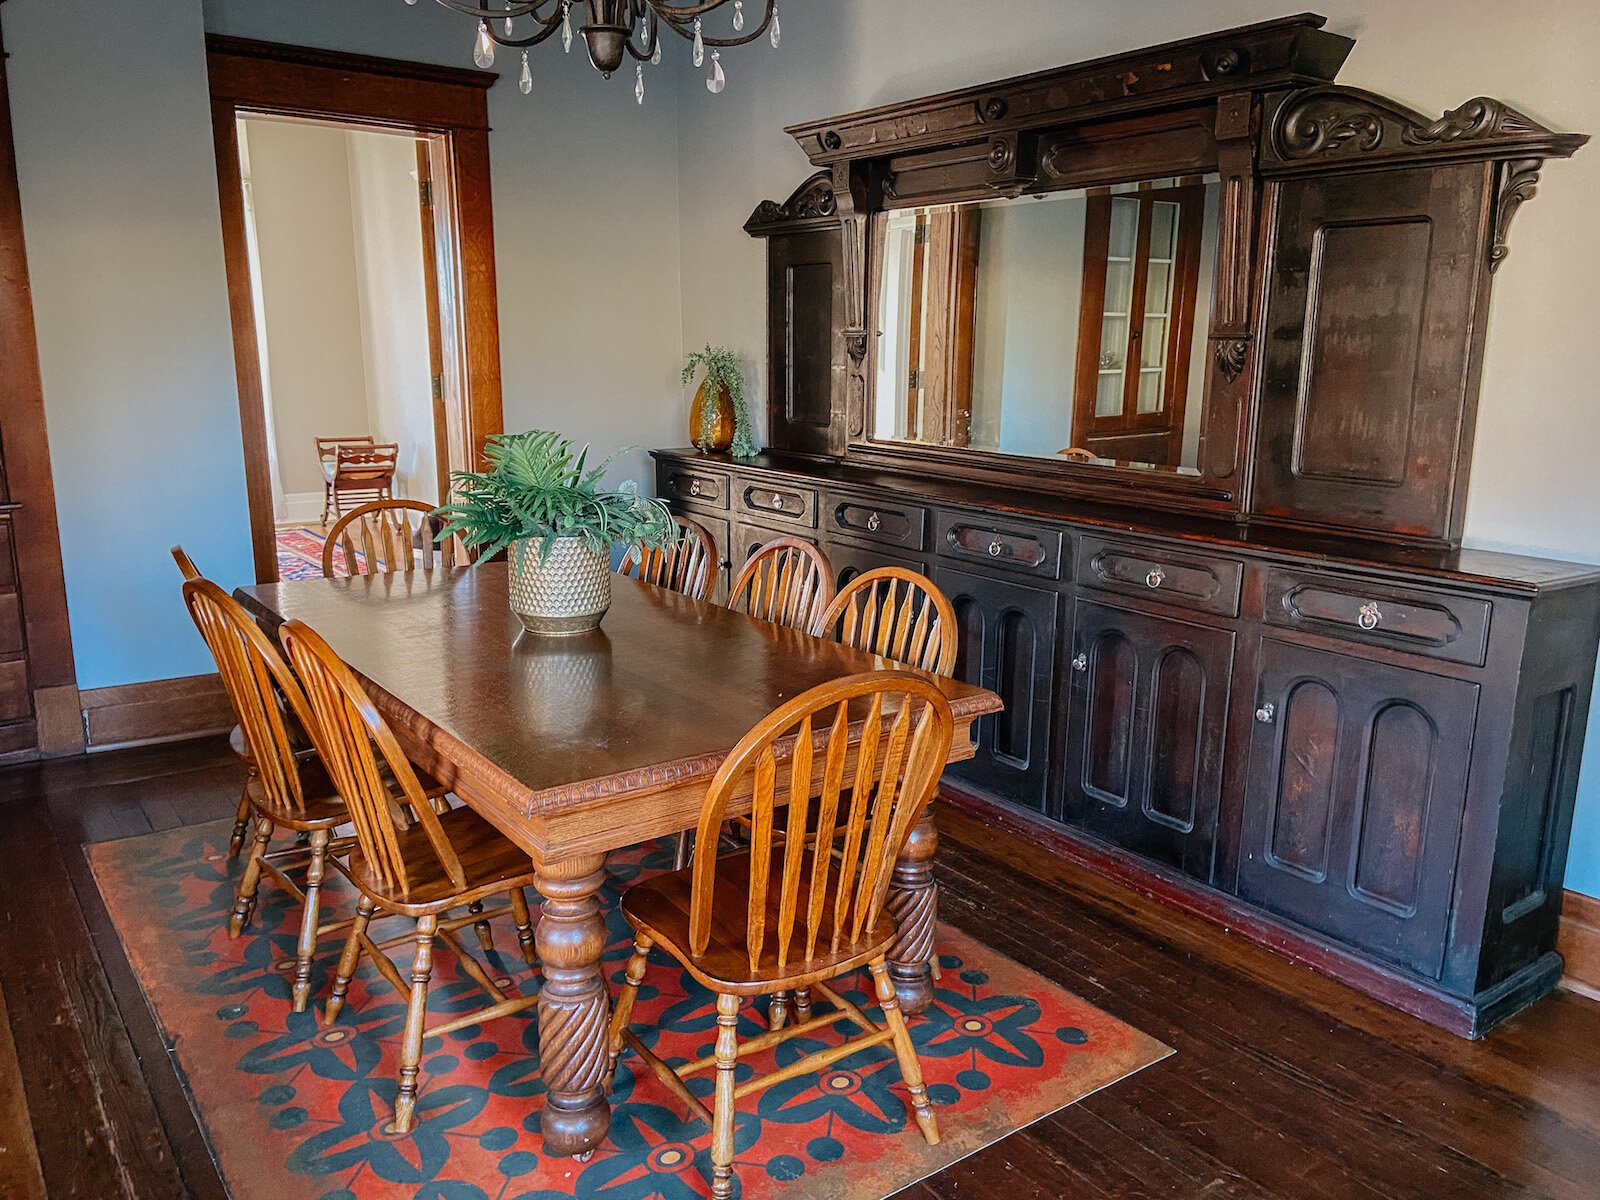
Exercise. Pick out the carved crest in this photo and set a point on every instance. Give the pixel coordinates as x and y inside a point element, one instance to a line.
<point>813,202</point>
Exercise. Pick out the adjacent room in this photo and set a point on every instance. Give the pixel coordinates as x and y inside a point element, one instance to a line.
<point>799,600</point>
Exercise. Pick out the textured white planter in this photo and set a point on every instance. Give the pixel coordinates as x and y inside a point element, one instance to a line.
<point>568,592</point>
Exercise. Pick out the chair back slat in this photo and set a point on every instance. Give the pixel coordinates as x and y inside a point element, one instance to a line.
<point>267,699</point>
<point>358,747</point>
<point>380,538</point>
<point>689,565</point>
<point>896,614</point>
<point>788,581</point>
<point>842,874</point>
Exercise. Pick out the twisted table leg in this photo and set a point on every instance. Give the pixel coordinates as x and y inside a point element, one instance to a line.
<point>914,903</point>
<point>574,1006</point>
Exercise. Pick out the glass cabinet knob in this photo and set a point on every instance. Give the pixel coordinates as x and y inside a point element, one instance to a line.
<point>1370,615</point>
<point>1081,662</point>
<point>1154,578</point>
<point>1266,713</point>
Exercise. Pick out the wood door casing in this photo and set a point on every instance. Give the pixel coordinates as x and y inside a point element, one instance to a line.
<point>1354,800</point>
<point>1147,726</point>
<point>1007,639</point>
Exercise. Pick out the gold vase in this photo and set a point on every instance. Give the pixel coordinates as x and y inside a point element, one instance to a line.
<point>721,420</point>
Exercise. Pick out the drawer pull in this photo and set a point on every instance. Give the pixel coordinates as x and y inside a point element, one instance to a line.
<point>1370,615</point>
<point>1266,713</point>
<point>996,548</point>
<point>777,503</point>
<point>1081,662</point>
<point>872,523</point>
<point>1154,578</point>
<point>694,488</point>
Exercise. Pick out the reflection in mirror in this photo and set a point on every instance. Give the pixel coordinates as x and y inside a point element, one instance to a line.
<point>1070,325</point>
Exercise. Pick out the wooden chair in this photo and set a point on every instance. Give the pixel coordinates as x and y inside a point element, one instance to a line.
<point>382,538</point>
<point>897,614</point>
<point>689,565</point>
<point>355,466</point>
<point>421,868</point>
<point>788,582</point>
<point>781,916</point>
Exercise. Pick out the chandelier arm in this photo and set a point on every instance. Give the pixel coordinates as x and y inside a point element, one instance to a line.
<point>644,55</point>
<point>522,8</point>
<point>672,13</point>
<point>522,43</point>
<point>745,39</point>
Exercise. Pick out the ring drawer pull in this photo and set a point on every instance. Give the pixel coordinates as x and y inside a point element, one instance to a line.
<point>694,488</point>
<point>1369,615</point>
<point>1154,578</point>
<point>1266,713</point>
<point>1081,662</point>
<point>777,501</point>
<point>872,523</point>
<point>996,548</point>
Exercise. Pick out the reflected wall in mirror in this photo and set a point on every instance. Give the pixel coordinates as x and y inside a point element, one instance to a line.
<point>1065,325</point>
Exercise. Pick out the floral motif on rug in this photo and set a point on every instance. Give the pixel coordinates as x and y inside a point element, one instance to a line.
<point>296,1107</point>
<point>300,554</point>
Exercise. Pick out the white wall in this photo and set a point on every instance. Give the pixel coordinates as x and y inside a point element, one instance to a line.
<point>306,248</point>
<point>387,220</point>
<point>1535,485</point>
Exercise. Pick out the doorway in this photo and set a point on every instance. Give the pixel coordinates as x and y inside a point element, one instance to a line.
<point>359,242</point>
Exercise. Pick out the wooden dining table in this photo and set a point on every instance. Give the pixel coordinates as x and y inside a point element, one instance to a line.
<point>577,746</point>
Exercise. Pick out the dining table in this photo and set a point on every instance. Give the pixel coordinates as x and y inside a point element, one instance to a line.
<point>576,746</point>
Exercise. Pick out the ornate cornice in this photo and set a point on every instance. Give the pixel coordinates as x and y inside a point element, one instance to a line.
<point>812,204</point>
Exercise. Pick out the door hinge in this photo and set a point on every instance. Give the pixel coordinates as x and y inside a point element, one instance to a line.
<point>438,387</point>
<point>425,192</point>
<point>914,379</point>
<point>920,237</point>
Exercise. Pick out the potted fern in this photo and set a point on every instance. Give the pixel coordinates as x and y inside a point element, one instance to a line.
<point>541,502</point>
<point>719,418</point>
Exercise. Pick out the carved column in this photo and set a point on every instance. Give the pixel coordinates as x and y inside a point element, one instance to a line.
<point>914,903</point>
<point>857,195</point>
<point>1223,433</point>
<point>574,1006</point>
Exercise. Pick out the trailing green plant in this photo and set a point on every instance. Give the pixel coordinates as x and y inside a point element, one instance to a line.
<point>536,487</point>
<point>722,371</point>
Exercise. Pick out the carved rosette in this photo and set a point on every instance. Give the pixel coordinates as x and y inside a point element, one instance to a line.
<point>1230,355</point>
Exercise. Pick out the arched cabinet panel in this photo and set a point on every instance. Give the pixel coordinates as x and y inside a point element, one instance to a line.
<point>1353,809</point>
<point>1145,732</point>
<point>1007,638</point>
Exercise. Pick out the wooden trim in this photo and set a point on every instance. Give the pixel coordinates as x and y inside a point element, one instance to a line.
<point>447,107</point>
<point>1578,943</point>
<point>163,710</point>
<point>26,483</point>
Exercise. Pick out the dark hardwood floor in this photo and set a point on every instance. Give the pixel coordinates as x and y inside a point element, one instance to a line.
<point>1283,1085</point>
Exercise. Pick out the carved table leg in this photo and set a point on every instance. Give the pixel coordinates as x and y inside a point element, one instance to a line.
<point>574,1006</point>
<point>914,904</point>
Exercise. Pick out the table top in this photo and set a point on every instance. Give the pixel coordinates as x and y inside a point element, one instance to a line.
<point>657,696</point>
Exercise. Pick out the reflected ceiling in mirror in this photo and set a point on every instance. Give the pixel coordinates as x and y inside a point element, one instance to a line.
<point>1068,326</point>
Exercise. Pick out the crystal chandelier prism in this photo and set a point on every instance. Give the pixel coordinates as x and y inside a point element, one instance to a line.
<point>614,31</point>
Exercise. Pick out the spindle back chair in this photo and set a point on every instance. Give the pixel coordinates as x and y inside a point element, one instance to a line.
<point>897,614</point>
<point>408,860</point>
<point>788,581</point>
<point>791,912</point>
<point>382,537</point>
<point>689,565</point>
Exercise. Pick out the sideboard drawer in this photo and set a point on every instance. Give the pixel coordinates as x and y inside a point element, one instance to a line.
<point>777,501</point>
<point>1014,547</point>
<point>870,520</point>
<point>676,481</point>
<point>1187,580</point>
<point>1454,628</point>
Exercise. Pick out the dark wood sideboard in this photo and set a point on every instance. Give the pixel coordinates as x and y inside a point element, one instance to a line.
<point>1269,686</point>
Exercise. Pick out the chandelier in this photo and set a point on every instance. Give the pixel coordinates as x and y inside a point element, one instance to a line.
<point>614,31</point>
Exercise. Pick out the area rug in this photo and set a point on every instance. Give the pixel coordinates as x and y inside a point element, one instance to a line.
<point>293,1107</point>
<point>300,553</point>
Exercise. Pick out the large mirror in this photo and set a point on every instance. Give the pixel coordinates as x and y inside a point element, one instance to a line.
<point>1069,325</point>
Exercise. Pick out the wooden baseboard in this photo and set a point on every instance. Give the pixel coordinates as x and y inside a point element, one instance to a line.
<point>1578,943</point>
<point>163,710</point>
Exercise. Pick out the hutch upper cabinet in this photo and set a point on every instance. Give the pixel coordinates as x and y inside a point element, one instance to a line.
<point>1164,367</point>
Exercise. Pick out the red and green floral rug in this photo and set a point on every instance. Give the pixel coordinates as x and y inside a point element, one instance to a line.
<point>296,1108</point>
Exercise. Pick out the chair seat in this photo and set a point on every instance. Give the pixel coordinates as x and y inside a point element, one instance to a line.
<point>659,907</point>
<point>491,861</point>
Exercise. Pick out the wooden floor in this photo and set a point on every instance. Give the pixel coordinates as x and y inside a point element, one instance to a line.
<point>1283,1085</point>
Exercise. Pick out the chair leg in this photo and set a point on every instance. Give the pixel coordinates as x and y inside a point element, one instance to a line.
<point>481,928</point>
<point>778,1011</point>
<point>910,1068</point>
<point>802,1004</point>
<point>405,1104</point>
<point>349,959</point>
<point>680,854</point>
<point>241,824</point>
<point>244,900</point>
<point>310,919</point>
<point>524,923</point>
<point>727,1051</point>
<point>630,991</point>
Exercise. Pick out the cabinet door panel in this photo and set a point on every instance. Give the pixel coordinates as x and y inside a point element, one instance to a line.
<point>1007,637</point>
<point>1354,805</point>
<point>1146,732</point>
<point>850,561</point>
